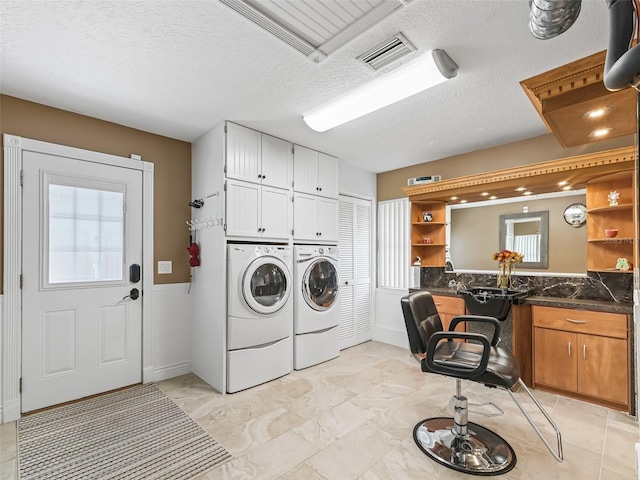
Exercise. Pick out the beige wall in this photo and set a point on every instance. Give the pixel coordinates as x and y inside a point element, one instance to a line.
<point>171,159</point>
<point>474,235</point>
<point>533,150</point>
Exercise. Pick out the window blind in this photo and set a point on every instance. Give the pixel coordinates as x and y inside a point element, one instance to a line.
<point>394,243</point>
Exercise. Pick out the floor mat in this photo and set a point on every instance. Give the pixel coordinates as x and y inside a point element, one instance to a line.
<point>135,433</point>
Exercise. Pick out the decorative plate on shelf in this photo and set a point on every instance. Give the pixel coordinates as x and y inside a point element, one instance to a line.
<point>575,214</point>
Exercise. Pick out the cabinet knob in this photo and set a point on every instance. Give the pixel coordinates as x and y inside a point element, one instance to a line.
<point>264,176</point>
<point>320,189</point>
<point>259,176</point>
<point>317,189</point>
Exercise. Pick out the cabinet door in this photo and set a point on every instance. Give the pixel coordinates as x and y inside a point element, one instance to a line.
<point>555,359</point>
<point>327,220</point>
<point>449,307</point>
<point>328,176</point>
<point>276,162</point>
<point>275,213</point>
<point>243,153</point>
<point>243,209</point>
<point>305,217</point>
<point>602,367</point>
<point>305,170</point>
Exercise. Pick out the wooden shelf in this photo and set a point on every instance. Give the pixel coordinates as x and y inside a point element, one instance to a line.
<point>603,252</point>
<point>612,240</point>
<point>613,270</point>
<point>431,254</point>
<point>610,208</point>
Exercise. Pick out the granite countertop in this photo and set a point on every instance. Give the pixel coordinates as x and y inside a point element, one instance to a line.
<point>575,303</point>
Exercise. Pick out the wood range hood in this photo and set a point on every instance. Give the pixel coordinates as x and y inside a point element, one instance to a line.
<point>564,96</point>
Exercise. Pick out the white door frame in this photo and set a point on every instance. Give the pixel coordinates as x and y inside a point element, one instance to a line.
<point>11,333</point>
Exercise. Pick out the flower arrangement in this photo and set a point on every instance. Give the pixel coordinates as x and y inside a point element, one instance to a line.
<point>506,259</point>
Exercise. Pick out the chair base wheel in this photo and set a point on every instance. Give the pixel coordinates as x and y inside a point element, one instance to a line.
<point>480,452</point>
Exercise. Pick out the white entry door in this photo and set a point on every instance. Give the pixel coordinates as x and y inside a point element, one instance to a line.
<point>82,259</point>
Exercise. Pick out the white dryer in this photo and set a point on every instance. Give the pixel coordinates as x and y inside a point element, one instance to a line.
<point>315,304</point>
<point>259,314</point>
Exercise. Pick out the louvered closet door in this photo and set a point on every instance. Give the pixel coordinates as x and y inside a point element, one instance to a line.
<point>354,247</point>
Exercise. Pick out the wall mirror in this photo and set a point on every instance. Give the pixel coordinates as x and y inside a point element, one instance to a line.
<point>473,234</point>
<point>528,234</point>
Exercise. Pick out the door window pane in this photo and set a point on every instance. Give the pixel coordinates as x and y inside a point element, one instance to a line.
<point>86,235</point>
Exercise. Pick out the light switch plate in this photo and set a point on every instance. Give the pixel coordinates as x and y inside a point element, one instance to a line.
<point>164,267</point>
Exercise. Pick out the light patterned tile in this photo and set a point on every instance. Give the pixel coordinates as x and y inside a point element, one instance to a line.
<point>302,472</point>
<point>610,475</point>
<point>619,451</point>
<point>238,439</point>
<point>353,454</point>
<point>578,464</point>
<point>333,424</point>
<point>267,461</point>
<point>9,469</point>
<point>8,439</point>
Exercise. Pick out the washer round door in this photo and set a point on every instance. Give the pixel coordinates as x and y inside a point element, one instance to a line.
<point>266,285</point>
<point>320,284</point>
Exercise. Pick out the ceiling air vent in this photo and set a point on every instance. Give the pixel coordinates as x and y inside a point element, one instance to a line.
<point>387,52</point>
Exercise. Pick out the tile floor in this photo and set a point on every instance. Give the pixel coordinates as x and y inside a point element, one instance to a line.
<point>353,418</point>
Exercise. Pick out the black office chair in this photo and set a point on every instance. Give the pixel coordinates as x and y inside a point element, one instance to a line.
<point>455,442</point>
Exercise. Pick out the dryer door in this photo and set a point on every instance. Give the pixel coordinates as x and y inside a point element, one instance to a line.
<point>266,285</point>
<point>320,284</point>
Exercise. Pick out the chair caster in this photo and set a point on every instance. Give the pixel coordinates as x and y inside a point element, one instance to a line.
<point>479,452</point>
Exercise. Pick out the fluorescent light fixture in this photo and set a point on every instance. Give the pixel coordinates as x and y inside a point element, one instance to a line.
<point>414,77</point>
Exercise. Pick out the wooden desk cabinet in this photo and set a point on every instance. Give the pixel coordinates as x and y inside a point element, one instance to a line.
<point>449,307</point>
<point>583,354</point>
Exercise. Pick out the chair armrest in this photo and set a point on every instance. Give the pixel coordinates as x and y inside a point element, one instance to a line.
<point>478,319</point>
<point>461,372</point>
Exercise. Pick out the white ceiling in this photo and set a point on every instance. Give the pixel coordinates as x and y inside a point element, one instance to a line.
<point>177,68</point>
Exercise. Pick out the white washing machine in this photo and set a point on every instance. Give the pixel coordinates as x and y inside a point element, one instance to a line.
<point>259,314</point>
<point>316,312</point>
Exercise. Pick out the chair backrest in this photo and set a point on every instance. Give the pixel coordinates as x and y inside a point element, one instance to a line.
<point>421,319</point>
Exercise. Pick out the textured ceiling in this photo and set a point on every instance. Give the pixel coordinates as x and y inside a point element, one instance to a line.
<point>177,68</point>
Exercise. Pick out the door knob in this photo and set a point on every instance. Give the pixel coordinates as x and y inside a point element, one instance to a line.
<point>133,294</point>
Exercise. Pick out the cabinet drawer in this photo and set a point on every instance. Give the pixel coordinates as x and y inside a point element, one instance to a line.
<point>581,321</point>
<point>452,305</point>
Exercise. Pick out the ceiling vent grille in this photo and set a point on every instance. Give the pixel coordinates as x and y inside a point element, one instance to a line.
<point>387,52</point>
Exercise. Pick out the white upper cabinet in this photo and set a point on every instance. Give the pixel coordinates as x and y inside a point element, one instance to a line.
<point>277,162</point>
<point>243,153</point>
<point>258,158</point>
<point>315,219</point>
<point>315,173</point>
<point>257,211</point>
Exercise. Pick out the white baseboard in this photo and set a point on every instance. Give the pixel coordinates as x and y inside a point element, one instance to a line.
<point>171,371</point>
<point>10,411</point>
<point>391,336</point>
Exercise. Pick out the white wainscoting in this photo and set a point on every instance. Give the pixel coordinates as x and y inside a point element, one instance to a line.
<point>389,323</point>
<point>1,352</point>
<point>172,312</point>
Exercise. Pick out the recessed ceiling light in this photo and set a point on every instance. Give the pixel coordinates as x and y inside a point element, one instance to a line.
<point>454,198</point>
<point>521,189</point>
<point>596,113</point>
<point>567,187</point>
<point>492,197</point>
<point>484,194</point>
<point>463,201</point>
<point>527,193</point>
<point>601,132</point>
<point>562,183</point>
